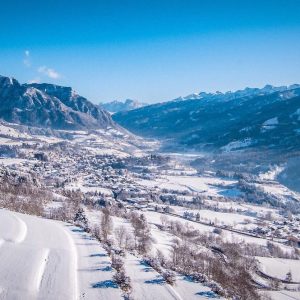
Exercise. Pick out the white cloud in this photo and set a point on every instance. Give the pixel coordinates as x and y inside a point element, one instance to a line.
<point>51,73</point>
<point>26,60</point>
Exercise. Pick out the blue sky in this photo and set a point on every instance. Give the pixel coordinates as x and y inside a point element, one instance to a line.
<point>151,50</point>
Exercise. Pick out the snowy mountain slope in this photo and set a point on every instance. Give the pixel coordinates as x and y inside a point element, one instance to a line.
<point>117,106</point>
<point>110,141</point>
<point>44,259</point>
<point>50,106</point>
<point>70,98</point>
<point>248,118</point>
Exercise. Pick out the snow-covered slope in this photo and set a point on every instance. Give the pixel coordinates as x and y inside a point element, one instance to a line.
<point>45,259</point>
<point>117,106</point>
<point>230,121</point>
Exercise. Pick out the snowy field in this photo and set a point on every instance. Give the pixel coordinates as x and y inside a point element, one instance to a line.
<point>279,267</point>
<point>12,161</point>
<point>207,185</point>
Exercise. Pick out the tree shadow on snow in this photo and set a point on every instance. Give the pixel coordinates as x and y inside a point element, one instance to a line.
<point>87,244</point>
<point>105,285</point>
<point>159,280</point>
<point>208,294</point>
<point>98,255</point>
<point>188,278</point>
<point>77,230</point>
<point>87,237</point>
<point>146,268</point>
<point>105,269</point>
<point>95,269</point>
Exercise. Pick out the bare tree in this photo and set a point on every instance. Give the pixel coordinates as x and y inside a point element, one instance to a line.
<point>106,224</point>
<point>142,233</point>
<point>120,236</point>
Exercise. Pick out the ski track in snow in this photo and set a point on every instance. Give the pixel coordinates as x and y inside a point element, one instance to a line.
<point>14,229</point>
<point>22,231</point>
<point>46,259</point>
<point>41,268</point>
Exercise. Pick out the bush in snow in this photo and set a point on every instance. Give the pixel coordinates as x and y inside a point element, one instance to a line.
<point>199,277</point>
<point>169,277</point>
<point>117,263</point>
<point>216,288</point>
<point>154,263</point>
<point>123,281</point>
<point>161,258</point>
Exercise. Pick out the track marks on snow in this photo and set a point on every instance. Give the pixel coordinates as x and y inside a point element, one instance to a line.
<point>45,259</point>
<point>22,231</point>
<point>12,228</point>
<point>41,269</point>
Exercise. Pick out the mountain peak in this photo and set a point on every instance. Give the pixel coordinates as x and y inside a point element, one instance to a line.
<point>8,81</point>
<point>248,91</point>
<point>49,105</point>
<point>118,106</point>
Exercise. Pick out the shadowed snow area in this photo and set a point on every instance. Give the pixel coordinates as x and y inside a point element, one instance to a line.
<point>45,259</point>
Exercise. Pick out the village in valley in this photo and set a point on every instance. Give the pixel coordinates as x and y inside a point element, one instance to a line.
<point>81,176</point>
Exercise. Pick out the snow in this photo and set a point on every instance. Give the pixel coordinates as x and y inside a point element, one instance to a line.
<point>238,145</point>
<point>146,282</point>
<point>271,122</point>
<point>185,286</point>
<point>12,161</point>
<point>80,185</point>
<point>202,184</point>
<point>216,217</point>
<point>11,132</point>
<point>284,295</point>
<point>272,173</point>
<point>279,267</point>
<point>45,259</point>
<point>154,217</point>
<point>149,285</point>
<point>279,190</point>
<point>108,151</point>
<point>297,114</point>
<point>6,141</point>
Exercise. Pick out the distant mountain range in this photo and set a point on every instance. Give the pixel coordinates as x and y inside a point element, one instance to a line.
<point>267,117</point>
<point>50,106</point>
<point>117,106</point>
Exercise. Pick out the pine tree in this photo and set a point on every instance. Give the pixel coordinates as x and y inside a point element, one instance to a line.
<point>288,276</point>
<point>80,218</point>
